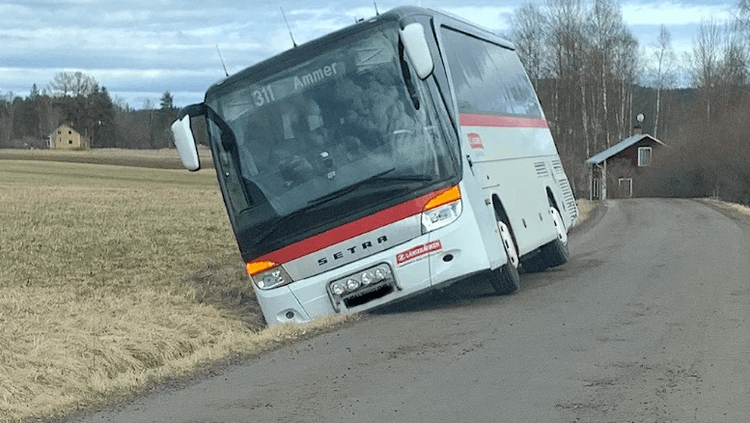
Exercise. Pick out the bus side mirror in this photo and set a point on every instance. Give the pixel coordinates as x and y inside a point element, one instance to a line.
<point>183,136</point>
<point>415,45</point>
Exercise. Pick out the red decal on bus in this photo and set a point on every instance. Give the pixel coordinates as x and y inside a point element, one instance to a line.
<point>475,141</point>
<point>418,251</point>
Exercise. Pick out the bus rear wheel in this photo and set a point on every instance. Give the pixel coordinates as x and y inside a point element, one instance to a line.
<point>555,252</point>
<point>505,279</point>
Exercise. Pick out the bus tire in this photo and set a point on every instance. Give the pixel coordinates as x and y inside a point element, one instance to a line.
<point>554,253</point>
<point>536,263</point>
<point>505,279</point>
<point>557,252</point>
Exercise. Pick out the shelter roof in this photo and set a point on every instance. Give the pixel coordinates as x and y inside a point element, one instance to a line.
<point>619,147</point>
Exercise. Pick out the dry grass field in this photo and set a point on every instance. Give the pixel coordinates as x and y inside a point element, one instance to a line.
<point>114,278</point>
<point>160,159</point>
<point>735,208</point>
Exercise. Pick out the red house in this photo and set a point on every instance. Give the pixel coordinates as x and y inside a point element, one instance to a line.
<point>621,163</point>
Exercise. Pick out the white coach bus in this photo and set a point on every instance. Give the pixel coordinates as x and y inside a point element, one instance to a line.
<point>400,154</point>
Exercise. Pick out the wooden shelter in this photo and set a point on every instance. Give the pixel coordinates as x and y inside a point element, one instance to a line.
<point>619,166</point>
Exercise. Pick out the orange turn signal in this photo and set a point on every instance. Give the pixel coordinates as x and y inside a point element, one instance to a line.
<point>255,267</point>
<point>448,196</point>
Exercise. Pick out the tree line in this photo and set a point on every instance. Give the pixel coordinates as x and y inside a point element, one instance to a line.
<point>591,75</point>
<point>77,99</point>
<point>593,78</point>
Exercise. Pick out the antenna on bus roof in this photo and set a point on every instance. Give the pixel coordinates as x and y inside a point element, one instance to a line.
<point>375,3</point>
<point>294,43</point>
<point>222,60</point>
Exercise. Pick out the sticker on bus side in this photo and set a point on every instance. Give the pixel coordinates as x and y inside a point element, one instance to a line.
<point>475,141</point>
<point>476,144</point>
<point>418,251</point>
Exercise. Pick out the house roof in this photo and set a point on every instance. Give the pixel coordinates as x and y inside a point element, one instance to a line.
<point>619,147</point>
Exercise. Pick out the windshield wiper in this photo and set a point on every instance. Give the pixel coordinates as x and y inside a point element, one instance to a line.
<point>346,190</point>
<point>377,178</point>
<point>312,204</point>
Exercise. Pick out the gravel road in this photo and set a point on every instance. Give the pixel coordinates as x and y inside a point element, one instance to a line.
<point>648,322</point>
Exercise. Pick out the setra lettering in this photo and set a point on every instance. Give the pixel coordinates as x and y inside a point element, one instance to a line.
<point>340,255</point>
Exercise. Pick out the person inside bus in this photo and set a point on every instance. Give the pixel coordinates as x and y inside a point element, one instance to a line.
<point>377,113</point>
<point>306,149</point>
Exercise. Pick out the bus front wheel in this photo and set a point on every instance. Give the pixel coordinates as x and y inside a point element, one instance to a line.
<point>505,279</point>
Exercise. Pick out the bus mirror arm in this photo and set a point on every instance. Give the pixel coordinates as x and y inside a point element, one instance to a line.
<point>406,75</point>
<point>183,134</point>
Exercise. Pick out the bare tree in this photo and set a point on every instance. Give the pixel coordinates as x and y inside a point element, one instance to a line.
<point>733,72</point>
<point>607,28</point>
<point>529,33</point>
<point>62,84</point>
<point>663,71</point>
<point>626,62</point>
<point>567,45</point>
<point>75,84</point>
<point>705,66</point>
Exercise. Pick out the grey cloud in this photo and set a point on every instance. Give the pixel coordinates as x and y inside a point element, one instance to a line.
<point>174,40</point>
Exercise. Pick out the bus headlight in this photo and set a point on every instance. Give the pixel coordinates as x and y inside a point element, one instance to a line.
<point>338,288</point>
<point>382,273</point>
<point>352,284</point>
<point>442,209</point>
<point>363,286</point>
<point>268,275</point>
<point>440,216</point>
<point>367,278</point>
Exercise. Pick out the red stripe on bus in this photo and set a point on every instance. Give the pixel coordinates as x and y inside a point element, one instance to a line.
<point>349,230</point>
<point>466,119</point>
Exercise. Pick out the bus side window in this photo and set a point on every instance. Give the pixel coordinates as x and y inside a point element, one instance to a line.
<point>488,78</point>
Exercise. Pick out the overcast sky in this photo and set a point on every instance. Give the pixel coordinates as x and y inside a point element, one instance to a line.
<point>140,49</point>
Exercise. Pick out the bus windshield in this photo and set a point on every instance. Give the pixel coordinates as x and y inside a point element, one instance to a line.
<point>349,122</point>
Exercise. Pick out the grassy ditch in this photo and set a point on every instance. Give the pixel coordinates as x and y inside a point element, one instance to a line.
<point>735,209</point>
<point>113,279</point>
<point>585,207</point>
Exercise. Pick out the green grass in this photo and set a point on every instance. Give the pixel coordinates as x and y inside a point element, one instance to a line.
<point>114,278</point>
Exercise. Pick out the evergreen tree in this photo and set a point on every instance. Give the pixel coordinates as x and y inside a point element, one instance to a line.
<point>167,101</point>
<point>100,119</point>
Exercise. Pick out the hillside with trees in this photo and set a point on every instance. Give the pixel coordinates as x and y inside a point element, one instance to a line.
<point>591,75</point>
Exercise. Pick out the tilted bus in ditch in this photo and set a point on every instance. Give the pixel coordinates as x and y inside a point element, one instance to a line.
<point>400,154</point>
